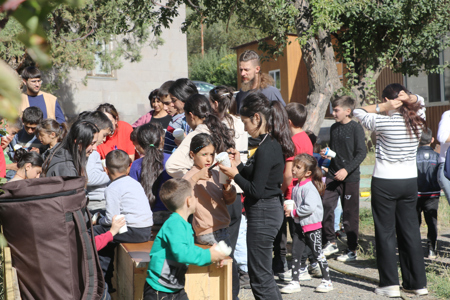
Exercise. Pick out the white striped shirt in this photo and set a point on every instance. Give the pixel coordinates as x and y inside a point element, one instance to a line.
<point>396,148</point>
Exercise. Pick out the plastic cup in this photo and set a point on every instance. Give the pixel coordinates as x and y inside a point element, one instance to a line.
<point>124,228</point>
<point>178,134</point>
<point>289,204</point>
<point>224,160</point>
<point>224,248</point>
<point>330,153</point>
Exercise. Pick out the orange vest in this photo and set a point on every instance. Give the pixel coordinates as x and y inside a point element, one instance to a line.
<point>50,104</point>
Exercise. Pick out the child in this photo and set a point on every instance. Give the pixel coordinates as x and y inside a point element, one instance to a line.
<point>50,133</point>
<point>11,129</point>
<point>26,138</point>
<point>173,248</point>
<point>149,169</point>
<point>297,115</point>
<point>428,187</point>
<point>347,139</point>
<point>29,165</point>
<point>307,214</point>
<point>124,196</point>
<point>211,218</point>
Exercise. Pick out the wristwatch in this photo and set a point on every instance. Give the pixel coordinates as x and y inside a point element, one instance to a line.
<point>377,109</point>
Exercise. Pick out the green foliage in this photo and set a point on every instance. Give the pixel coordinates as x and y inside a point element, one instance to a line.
<point>218,68</point>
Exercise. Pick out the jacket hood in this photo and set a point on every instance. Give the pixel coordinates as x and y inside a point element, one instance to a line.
<point>61,155</point>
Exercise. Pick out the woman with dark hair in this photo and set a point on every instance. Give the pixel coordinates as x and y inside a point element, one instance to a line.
<point>179,92</point>
<point>394,188</point>
<point>29,164</point>
<point>260,179</point>
<point>121,136</point>
<point>70,157</point>
<point>201,118</point>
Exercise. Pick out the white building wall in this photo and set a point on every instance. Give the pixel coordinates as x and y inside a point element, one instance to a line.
<point>128,91</point>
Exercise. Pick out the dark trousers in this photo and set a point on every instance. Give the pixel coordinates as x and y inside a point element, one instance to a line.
<point>279,263</point>
<point>152,294</point>
<point>264,219</point>
<point>312,239</point>
<point>349,193</point>
<point>235,211</point>
<point>394,212</point>
<point>429,206</point>
<point>106,255</point>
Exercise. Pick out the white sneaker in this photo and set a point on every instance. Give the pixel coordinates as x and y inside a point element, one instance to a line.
<point>286,276</point>
<point>391,291</point>
<point>325,286</point>
<point>347,256</point>
<point>314,270</point>
<point>304,275</point>
<point>329,249</point>
<point>292,287</point>
<point>419,292</point>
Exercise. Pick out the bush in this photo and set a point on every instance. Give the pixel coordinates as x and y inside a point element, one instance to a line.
<point>216,67</point>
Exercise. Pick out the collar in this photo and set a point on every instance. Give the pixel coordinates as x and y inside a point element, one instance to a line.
<point>301,183</point>
<point>120,177</point>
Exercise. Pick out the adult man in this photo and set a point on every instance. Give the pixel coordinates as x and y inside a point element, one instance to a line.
<point>48,103</point>
<point>254,80</point>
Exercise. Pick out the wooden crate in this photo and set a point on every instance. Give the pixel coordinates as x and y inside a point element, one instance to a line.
<point>10,281</point>
<point>202,283</point>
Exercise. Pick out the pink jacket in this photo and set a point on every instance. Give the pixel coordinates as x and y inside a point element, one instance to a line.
<point>143,120</point>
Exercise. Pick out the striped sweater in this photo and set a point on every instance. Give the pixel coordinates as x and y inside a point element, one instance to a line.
<point>395,150</point>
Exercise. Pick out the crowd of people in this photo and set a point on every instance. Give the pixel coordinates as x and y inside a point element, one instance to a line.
<point>162,171</point>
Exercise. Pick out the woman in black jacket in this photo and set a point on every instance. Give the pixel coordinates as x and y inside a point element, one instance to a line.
<point>261,179</point>
<point>70,157</point>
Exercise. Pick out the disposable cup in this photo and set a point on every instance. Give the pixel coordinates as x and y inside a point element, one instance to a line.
<point>224,248</point>
<point>289,204</point>
<point>178,134</point>
<point>330,153</point>
<point>124,228</point>
<point>224,160</point>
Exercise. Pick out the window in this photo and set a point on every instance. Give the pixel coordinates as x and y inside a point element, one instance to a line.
<point>434,88</point>
<point>102,67</point>
<point>276,77</point>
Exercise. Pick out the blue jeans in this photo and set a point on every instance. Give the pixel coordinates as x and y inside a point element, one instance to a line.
<point>240,254</point>
<point>264,217</point>
<point>444,183</point>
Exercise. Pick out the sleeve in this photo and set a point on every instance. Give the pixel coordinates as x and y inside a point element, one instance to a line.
<point>261,171</point>
<point>143,120</point>
<point>303,207</point>
<point>112,206</point>
<point>134,171</point>
<point>360,151</point>
<point>186,252</point>
<point>128,146</point>
<point>102,240</point>
<point>95,172</point>
<point>444,128</point>
<point>59,115</point>
<point>230,196</point>
<point>2,165</point>
<point>368,120</point>
<point>11,145</point>
<point>179,162</point>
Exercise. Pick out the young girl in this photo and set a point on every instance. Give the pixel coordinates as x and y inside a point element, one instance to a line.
<point>149,169</point>
<point>211,219</point>
<point>50,133</point>
<point>307,214</point>
<point>28,163</point>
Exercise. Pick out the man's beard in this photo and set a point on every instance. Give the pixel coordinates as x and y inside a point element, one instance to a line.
<point>247,86</point>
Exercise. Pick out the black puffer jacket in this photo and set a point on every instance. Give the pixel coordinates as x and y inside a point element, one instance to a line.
<point>61,164</point>
<point>427,169</point>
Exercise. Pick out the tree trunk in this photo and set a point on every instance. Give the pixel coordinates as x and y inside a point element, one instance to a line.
<point>319,57</point>
<point>365,90</point>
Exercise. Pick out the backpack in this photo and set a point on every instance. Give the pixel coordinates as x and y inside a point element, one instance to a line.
<point>44,222</point>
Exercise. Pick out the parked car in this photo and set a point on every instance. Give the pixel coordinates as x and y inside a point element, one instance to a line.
<point>203,87</point>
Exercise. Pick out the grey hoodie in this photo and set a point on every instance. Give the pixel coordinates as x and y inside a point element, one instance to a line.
<point>308,204</point>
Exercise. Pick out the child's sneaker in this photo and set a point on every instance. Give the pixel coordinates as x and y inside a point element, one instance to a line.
<point>330,248</point>
<point>391,291</point>
<point>347,256</point>
<point>325,286</point>
<point>304,275</point>
<point>292,287</point>
<point>314,270</point>
<point>286,276</point>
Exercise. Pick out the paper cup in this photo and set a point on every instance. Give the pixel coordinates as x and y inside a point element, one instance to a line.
<point>104,163</point>
<point>224,160</point>
<point>330,153</point>
<point>224,248</point>
<point>289,204</point>
<point>178,134</point>
<point>124,228</point>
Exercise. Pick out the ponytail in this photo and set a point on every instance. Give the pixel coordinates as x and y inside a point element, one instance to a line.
<point>276,119</point>
<point>223,95</point>
<point>309,163</point>
<point>148,136</point>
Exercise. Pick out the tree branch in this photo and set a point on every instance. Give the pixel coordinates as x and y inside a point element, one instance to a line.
<point>80,38</point>
<point>159,4</point>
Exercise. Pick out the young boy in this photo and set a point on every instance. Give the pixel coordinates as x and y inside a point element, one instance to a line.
<point>347,139</point>
<point>297,115</point>
<point>173,248</point>
<point>11,129</point>
<point>124,196</point>
<point>428,187</point>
